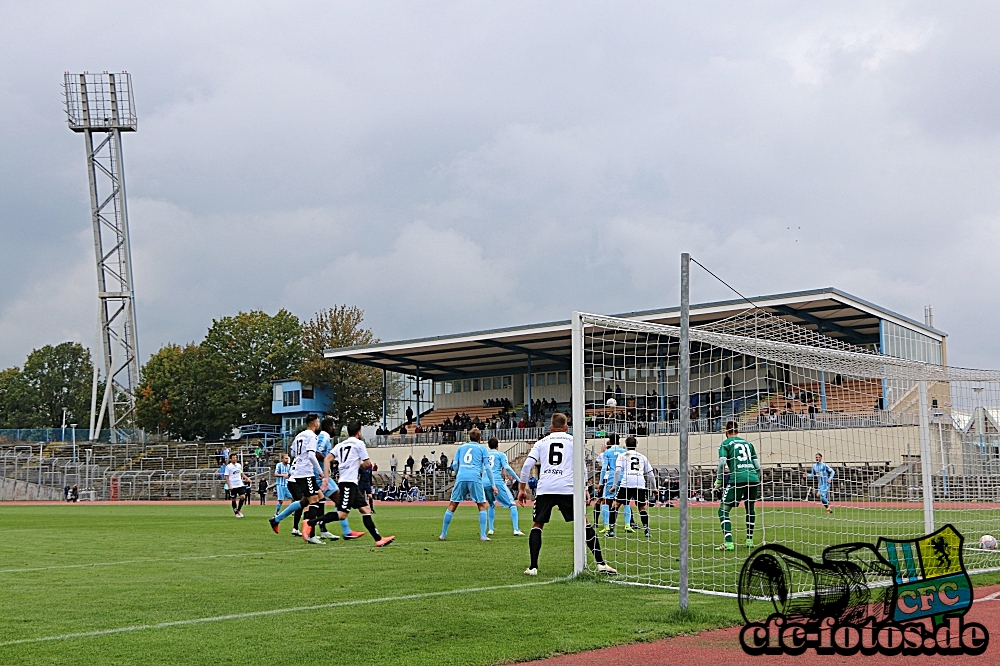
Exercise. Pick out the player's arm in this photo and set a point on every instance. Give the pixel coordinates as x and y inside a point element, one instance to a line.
<point>326,471</point>
<point>650,476</point>
<point>486,471</point>
<point>720,469</point>
<point>833,473</point>
<point>362,452</point>
<point>529,464</point>
<point>619,472</point>
<point>755,459</point>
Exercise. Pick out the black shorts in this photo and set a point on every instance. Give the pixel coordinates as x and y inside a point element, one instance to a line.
<point>637,495</point>
<point>545,503</point>
<point>234,493</point>
<point>303,487</point>
<point>351,497</point>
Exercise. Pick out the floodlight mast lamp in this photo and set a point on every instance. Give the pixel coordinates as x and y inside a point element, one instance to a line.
<point>102,105</point>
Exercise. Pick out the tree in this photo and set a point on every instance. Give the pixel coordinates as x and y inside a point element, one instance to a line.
<point>255,349</point>
<point>183,392</point>
<point>17,403</point>
<point>357,389</point>
<point>58,377</point>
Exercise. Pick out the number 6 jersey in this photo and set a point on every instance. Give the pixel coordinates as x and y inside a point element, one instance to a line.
<point>555,454</point>
<point>741,458</point>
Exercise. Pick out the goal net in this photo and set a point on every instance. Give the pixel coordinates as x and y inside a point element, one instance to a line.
<point>911,445</point>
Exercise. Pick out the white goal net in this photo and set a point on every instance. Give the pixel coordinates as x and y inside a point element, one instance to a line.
<point>909,445</point>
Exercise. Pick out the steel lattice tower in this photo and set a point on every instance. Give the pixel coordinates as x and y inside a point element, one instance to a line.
<point>101,107</point>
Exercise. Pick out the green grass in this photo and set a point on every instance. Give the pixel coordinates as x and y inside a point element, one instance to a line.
<point>147,564</point>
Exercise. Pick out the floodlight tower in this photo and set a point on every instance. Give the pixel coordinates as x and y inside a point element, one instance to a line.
<point>102,104</point>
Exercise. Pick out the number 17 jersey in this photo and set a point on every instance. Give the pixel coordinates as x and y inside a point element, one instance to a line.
<point>555,454</point>
<point>741,459</point>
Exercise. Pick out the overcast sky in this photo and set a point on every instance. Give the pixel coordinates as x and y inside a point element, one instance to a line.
<point>457,166</point>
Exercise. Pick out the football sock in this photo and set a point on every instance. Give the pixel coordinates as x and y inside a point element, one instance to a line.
<point>298,515</point>
<point>513,518</point>
<point>751,519</point>
<point>628,514</point>
<point>644,517</point>
<point>345,526</point>
<point>483,521</point>
<point>448,515</point>
<point>370,524</point>
<point>592,543</point>
<point>289,510</point>
<point>239,507</point>
<point>492,514</point>
<point>535,545</point>
<point>605,514</point>
<point>371,503</point>
<point>727,526</point>
<point>277,509</point>
<point>613,513</point>
<point>234,505</point>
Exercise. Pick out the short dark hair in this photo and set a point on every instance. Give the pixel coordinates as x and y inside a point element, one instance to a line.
<point>326,425</point>
<point>559,420</point>
<point>494,443</point>
<point>353,428</point>
<point>474,435</point>
<point>311,417</point>
<point>732,426</point>
<point>613,439</point>
<point>631,442</point>
<point>233,455</point>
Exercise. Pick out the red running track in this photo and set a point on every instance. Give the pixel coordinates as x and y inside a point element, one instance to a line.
<point>722,648</point>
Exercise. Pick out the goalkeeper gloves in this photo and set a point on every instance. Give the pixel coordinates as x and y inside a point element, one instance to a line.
<point>718,483</point>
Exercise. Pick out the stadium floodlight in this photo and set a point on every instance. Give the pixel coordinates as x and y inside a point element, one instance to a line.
<point>895,477</point>
<point>103,104</point>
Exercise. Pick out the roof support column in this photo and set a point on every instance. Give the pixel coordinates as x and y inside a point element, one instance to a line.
<point>531,380</point>
<point>822,378</point>
<point>418,395</point>
<point>385,399</point>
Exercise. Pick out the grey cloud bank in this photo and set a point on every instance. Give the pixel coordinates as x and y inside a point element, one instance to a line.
<point>454,166</point>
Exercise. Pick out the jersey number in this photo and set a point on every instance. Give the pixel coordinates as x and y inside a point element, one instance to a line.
<point>467,458</point>
<point>346,450</point>
<point>492,459</point>
<point>634,465</point>
<point>742,452</point>
<point>555,454</point>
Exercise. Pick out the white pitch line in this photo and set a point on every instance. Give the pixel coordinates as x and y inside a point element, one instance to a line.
<point>275,611</point>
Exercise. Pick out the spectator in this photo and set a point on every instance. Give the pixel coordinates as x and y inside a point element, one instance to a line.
<point>74,494</point>
<point>66,493</point>
<point>262,490</point>
<point>402,430</point>
<point>409,414</point>
<point>444,462</point>
<point>409,464</point>
<point>392,468</point>
<point>424,464</point>
<point>224,455</point>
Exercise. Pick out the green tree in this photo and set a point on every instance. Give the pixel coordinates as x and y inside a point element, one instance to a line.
<point>183,393</point>
<point>58,377</point>
<point>17,401</point>
<point>255,349</point>
<point>357,389</point>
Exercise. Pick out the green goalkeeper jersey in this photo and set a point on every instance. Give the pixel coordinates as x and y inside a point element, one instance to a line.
<point>741,459</point>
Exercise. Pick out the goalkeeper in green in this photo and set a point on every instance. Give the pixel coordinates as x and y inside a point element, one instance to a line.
<point>739,457</point>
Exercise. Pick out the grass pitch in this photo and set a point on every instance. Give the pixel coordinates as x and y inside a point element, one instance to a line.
<point>125,569</point>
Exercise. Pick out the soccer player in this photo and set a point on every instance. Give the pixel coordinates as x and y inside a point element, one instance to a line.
<point>282,471</point>
<point>352,455</point>
<point>554,453</point>
<point>324,444</point>
<point>302,485</point>
<point>238,490</point>
<point>740,458</point>
<point>472,472</point>
<point>632,472</point>
<point>609,459</point>
<point>497,464</point>
<point>824,475</point>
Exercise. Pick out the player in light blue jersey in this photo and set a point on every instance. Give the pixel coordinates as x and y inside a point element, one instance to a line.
<point>824,475</point>
<point>496,465</point>
<point>471,465</point>
<point>609,459</point>
<point>281,473</point>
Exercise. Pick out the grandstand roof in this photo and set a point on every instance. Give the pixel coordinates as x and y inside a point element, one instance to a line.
<point>504,351</point>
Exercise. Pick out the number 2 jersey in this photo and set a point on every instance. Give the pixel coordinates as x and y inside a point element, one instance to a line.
<point>555,454</point>
<point>632,470</point>
<point>741,459</point>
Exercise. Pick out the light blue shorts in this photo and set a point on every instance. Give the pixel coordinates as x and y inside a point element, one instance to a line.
<point>471,488</point>
<point>331,489</point>
<point>502,496</point>
<point>609,492</point>
<point>283,493</point>
<point>822,494</point>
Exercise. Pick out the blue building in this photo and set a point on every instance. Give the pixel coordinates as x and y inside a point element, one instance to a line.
<point>293,400</point>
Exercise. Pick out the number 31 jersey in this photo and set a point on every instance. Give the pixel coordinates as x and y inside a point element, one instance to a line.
<point>555,454</point>
<point>740,458</point>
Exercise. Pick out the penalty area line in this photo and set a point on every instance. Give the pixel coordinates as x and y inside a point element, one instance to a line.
<point>275,611</point>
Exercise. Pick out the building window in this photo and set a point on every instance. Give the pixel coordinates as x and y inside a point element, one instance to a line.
<point>291,399</point>
<point>507,382</point>
<point>475,385</point>
<point>563,377</point>
<point>550,379</point>
<point>488,384</point>
<point>456,387</point>
<point>277,393</point>
<point>307,392</point>
<point>466,385</point>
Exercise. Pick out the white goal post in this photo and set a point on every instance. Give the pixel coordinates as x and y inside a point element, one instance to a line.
<point>911,446</point>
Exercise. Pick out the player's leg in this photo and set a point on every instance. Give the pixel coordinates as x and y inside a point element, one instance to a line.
<point>457,495</point>
<point>507,501</point>
<point>605,514</point>
<point>484,521</point>
<point>491,512</point>
<point>541,513</point>
<point>613,517</point>
<point>725,506</point>
<point>232,501</point>
<point>241,500</point>
<point>629,523</point>
<point>823,495</point>
<point>641,503</point>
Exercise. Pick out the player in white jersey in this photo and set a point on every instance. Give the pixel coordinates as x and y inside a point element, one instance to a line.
<point>303,485</point>
<point>632,472</point>
<point>352,455</point>
<point>235,485</point>
<point>554,453</point>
